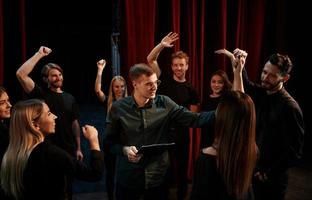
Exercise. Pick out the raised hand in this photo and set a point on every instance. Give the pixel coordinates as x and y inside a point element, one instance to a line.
<point>101,64</point>
<point>91,134</point>
<point>44,50</point>
<point>169,39</point>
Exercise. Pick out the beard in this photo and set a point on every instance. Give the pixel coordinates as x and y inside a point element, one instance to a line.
<point>269,86</point>
<point>56,84</point>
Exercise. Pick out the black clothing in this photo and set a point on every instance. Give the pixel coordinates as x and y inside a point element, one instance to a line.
<point>4,143</point>
<point>184,94</point>
<point>208,183</point>
<point>4,138</point>
<point>65,107</point>
<point>279,133</point>
<point>207,131</point>
<point>130,125</point>
<point>47,167</point>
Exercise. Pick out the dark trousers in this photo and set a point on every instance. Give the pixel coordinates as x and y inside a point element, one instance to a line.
<point>274,188</point>
<point>182,156</point>
<point>179,157</point>
<point>156,193</point>
<point>110,164</point>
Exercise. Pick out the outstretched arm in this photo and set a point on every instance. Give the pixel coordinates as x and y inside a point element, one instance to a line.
<point>23,72</point>
<point>167,41</point>
<point>98,81</point>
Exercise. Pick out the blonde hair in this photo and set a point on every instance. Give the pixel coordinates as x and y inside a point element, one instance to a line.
<point>111,95</point>
<point>23,139</point>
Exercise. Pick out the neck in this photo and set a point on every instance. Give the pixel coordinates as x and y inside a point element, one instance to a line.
<point>141,101</point>
<point>277,88</point>
<point>57,90</point>
<point>215,95</point>
<point>179,79</point>
<point>119,97</point>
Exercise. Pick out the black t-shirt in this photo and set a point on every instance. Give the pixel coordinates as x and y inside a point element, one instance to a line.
<point>207,131</point>
<point>184,94</point>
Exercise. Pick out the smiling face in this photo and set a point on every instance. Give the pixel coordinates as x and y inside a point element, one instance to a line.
<point>216,84</point>
<point>146,86</point>
<point>271,78</point>
<point>5,106</point>
<point>46,122</point>
<point>179,68</point>
<point>119,88</point>
<point>55,78</point>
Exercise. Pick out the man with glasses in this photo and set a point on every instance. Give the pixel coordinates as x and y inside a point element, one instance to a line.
<point>144,119</point>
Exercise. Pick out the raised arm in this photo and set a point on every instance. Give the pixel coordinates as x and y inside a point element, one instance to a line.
<point>98,81</point>
<point>153,55</point>
<point>238,59</point>
<point>23,72</point>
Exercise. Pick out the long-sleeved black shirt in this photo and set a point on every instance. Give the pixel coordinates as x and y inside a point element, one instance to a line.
<point>280,128</point>
<point>129,125</point>
<point>47,167</point>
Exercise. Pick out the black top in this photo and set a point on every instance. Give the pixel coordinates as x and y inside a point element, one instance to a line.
<point>128,125</point>
<point>184,94</point>
<point>207,131</point>
<point>207,182</point>
<point>65,107</point>
<point>4,138</point>
<point>279,130</point>
<point>44,175</point>
<point>4,143</point>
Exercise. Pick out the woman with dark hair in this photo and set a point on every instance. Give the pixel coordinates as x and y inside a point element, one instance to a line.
<point>33,168</point>
<point>224,170</point>
<point>5,113</point>
<point>219,84</point>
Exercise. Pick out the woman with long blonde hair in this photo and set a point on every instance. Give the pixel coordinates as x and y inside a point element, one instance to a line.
<point>117,88</point>
<point>33,168</point>
<point>117,91</point>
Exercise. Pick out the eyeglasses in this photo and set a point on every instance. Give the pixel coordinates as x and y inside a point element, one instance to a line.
<point>152,84</point>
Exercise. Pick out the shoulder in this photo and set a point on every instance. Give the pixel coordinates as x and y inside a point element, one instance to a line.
<point>50,152</point>
<point>289,101</point>
<point>68,95</point>
<point>164,99</point>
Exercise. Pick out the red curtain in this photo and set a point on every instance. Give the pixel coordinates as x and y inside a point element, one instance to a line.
<point>139,24</point>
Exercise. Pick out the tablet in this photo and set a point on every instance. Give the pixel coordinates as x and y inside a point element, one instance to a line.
<point>155,148</point>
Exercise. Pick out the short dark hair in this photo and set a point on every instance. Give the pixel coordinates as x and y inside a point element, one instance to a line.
<point>283,63</point>
<point>137,70</point>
